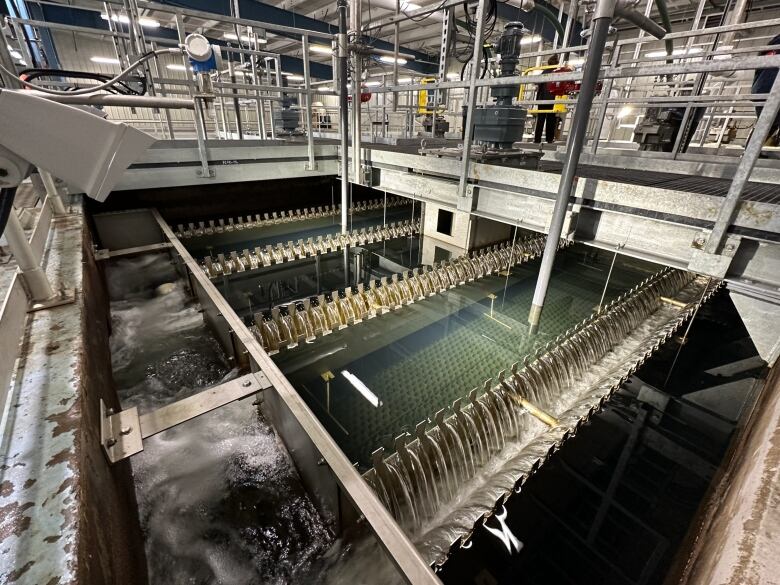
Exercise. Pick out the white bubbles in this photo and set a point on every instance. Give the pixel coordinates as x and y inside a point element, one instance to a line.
<point>219,500</point>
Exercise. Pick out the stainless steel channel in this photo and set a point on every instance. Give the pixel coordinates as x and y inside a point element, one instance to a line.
<point>325,470</point>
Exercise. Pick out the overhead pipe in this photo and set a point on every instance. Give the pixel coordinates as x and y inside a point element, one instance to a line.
<point>552,18</point>
<point>626,9</point>
<point>602,19</point>
<point>663,10</point>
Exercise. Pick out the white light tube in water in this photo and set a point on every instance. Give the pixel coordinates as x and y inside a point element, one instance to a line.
<point>362,388</point>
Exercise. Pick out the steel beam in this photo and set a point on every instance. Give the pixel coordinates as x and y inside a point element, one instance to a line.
<point>401,551</point>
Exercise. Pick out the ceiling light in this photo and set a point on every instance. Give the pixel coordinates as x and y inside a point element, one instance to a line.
<point>453,76</point>
<point>23,62</point>
<point>325,89</point>
<point>16,54</point>
<point>286,74</point>
<point>409,6</point>
<point>124,19</point>
<point>362,388</point>
<point>624,111</point>
<point>105,60</point>
<point>675,53</point>
<point>372,83</point>
<point>404,80</point>
<point>295,78</point>
<point>178,67</point>
<point>322,49</point>
<point>388,59</point>
<point>528,40</point>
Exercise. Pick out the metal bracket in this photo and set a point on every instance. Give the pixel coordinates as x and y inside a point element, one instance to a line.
<point>104,254</point>
<point>309,167</point>
<point>211,175</point>
<point>122,433</point>
<point>466,203</point>
<point>64,298</point>
<point>713,264</point>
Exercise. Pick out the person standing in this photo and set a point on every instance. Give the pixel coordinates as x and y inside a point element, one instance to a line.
<point>547,122</point>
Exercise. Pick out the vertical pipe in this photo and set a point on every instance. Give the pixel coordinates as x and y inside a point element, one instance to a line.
<point>307,80</point>
<point>396,40</point>
<point>259,104</point>
<point>343,110</point>
<point>476,59</point>
<point>200,122</point>
<point>356,26</point>
<point>605,92</point>
<point>600,27</point>
<point>753,149</point>
<point>236,105</point>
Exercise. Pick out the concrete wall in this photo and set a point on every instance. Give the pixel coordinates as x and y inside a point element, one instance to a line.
<point>739,536</point>
<point>110,542</point>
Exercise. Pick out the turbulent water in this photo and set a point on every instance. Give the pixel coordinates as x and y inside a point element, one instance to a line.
<point>219,501</point>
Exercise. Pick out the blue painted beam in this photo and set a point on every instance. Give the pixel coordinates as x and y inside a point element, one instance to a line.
<point>253,10</point>
<point>91,19</point>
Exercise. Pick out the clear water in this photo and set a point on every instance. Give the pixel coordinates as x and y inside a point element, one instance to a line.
<point>263,289</point>
<point>293,231</point>
<point>420,358</point>
<point>219,501</point>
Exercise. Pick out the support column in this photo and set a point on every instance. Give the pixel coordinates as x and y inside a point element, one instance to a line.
<point>465,201</point>
<point>343,111</point>
<point>57,206</point>
<point>600,27</point>
<point>34,276</point>
<point>356,19</point>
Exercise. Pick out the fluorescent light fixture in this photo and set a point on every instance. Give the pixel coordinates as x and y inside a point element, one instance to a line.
<point>675,53</point>
<point>372,83</point>
<point>325,89</point>
<point>286,74</point>
<point>105,60</point>
<point>409,6</point>
<point>391,60</point>
<point>244,38</point>
<point>124,19</point>
<point>23,62</point>
<point>404,80</point>
<point>529,40</point>
<point>321,49</point>
<point>362,388</point>
<point>453,76</point>
<point>16,54</point>
<point>178,67</point>
<point>295,78</point>
<point>624,111</point>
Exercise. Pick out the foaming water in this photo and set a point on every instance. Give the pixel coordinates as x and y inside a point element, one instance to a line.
<point>219,501</point>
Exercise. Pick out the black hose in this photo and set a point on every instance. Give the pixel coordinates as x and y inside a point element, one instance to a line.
<point>6,205</point>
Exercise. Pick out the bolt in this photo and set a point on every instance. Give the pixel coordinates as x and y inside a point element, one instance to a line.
<point>247,383</point>
<point>125,430</point>
<point>110,442</point>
